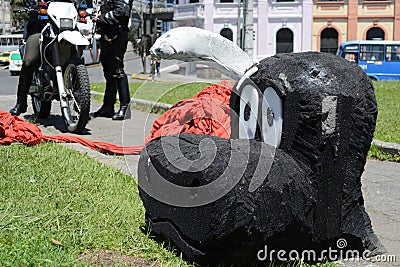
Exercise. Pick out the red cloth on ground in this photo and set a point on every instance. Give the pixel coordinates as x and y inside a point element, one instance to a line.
<point>14,129</point>
<point>206,113</point>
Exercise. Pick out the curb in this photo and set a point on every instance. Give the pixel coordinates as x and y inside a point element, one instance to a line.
<point>141,78</point>
<point>386,147</point>
<point>142,102</point>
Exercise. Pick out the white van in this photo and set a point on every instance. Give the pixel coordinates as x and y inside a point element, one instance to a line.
<point>15,63</point>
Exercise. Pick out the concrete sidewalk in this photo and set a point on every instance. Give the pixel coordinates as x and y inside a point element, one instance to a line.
<point>381,180</point>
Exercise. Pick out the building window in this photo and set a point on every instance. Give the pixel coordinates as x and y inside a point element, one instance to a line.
<point>284,41</point>
<point>375,34</point>
<point>329,41</point>
<point>193,1</point>
<point>279,1</point>
<point>227,33</point>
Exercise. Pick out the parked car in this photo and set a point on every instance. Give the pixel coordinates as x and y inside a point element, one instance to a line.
<point>15,62</point>
<point>4,58</point>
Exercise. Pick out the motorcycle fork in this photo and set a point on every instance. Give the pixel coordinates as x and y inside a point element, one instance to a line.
<point>56,56</point>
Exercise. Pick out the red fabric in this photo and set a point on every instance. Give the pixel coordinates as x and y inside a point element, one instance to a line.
<point>14,129</point>
<point>206,113</point>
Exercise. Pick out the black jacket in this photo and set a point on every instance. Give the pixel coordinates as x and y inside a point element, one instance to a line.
<point>114,17</point>
<point>33,25</point>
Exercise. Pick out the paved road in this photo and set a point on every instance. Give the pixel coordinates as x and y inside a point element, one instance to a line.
<point>381,180</point>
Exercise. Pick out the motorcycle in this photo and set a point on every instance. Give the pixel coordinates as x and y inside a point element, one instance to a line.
<point>62,74</point>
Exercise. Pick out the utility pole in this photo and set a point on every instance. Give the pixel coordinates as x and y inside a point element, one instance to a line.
<point>248,28</point>
<point>239,30</point>
<point>243,30</point>
<point>139,6</point>
<point>3,19</point>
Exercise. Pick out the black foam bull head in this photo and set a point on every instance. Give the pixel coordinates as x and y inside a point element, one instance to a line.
<point>289,177</point>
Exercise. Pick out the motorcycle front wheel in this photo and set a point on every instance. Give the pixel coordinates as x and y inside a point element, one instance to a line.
<point>77,88</point>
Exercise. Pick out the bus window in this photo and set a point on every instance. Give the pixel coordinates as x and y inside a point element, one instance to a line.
<point>393,53</point>
<point>371,52</point>
<point>351,57</point>
<point>349,52</point>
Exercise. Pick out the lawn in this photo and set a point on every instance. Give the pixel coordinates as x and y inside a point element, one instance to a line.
<point>57,203</point>
<point>164,92</point>
<point>388,123</point>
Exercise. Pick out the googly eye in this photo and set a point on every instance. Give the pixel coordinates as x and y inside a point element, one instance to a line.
<point>271,117</point>
<point>248,112</point>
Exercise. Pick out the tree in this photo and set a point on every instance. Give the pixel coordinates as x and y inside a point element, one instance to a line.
<point>132,37</point>
<point>17,19</point>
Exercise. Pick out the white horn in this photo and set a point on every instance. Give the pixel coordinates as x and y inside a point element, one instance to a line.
<point>193,44</point>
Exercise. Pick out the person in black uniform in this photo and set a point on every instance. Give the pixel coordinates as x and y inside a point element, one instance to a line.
<point>112,24</point>
<point>31,60</point>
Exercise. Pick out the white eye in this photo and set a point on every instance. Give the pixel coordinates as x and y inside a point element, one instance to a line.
<point>271,117</point>
<point>248,112</point>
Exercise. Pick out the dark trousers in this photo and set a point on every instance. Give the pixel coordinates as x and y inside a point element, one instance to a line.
<point>30,62</point>
<point>112,59</point>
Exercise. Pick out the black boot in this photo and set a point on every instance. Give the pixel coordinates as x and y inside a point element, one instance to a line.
<point>110,94</point>
<point>104,111</point>
<point>124,111</point>
<point>22,104</point>
<point>18,109</point>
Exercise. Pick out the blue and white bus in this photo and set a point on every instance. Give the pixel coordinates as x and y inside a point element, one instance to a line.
<point>10,42</point>
<point>379,59</point>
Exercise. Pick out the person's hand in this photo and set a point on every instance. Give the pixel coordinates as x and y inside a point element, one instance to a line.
<point>96,16</point>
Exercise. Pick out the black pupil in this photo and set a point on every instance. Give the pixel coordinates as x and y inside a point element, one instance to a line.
<point>247,110</point>
<point>270,117</point>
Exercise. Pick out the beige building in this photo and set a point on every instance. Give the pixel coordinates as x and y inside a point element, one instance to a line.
<point>335,22</point>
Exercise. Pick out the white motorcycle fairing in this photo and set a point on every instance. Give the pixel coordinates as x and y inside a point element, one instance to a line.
<point>73,37</point>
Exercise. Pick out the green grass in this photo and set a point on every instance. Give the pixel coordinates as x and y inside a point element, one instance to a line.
<point>377,153</point>
<point>182,91</point>
<point>164,92</point>
<point>51,192</point>
<point>388,122</point>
